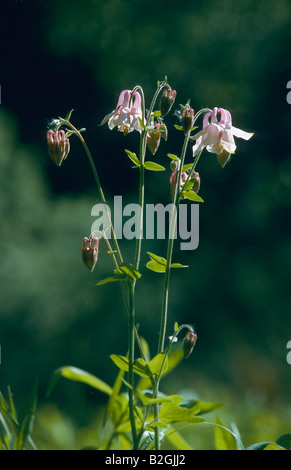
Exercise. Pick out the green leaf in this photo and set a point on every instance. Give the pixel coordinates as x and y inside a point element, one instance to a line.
<point>274,446</point>
<point>139,367</point>
<point>146,400</point>
<point>178,265</point>
<point>159,364</point>
<point>115,278</point>
<point>179,128</point>
<point>187,166</point>
<point>133,157</point>
<point>177,440</point>
<point>258,446</point>
<point>157,263</point>
<point>156,267</point>
<point>79,375</point>
<point>157,258</point>
<point>284,441</point>
<point>224,439</point>
<point>172,156</point>
<point>141,123</point>
<point>192,196</point>
<point>205,407</point>
<point>128,270</point>
<point>188,185</point>
<point>153,166</point>
<point>68,116</point>
<point>26,417</point>
<point>174,413</point>
<point>124,272</point>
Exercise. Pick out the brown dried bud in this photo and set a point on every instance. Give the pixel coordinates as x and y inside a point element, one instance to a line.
<point>187,119</point>
<point>167,100</point>
<point>58,146</point>
<point>90,251</point>
<point>189,343</point>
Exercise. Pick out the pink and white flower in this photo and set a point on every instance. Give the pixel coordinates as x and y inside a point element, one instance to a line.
<point>217,135</point>
<point>127,113</point>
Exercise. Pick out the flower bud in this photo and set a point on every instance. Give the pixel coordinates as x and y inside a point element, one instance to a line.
<point>187,119</point>
<point>90,252</point>
<point>167,100</point>
<point>195,178</point>
<point>174,165</point>
<point>58,146</point>
<point>173,178</point>
<point>189,343</point>
<point>154,139</point>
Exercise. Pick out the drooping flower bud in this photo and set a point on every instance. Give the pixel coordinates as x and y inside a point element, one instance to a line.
<point>58,146</point>
<point>167,100</point>
<point>187,119</point>
<point>154,139</point>
<point>189,343</point>
<point>173,178</point>
<point>90,251</point>
<point>195,178</point>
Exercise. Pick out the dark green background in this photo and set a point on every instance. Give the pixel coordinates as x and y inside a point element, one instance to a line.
<point>59,55</point>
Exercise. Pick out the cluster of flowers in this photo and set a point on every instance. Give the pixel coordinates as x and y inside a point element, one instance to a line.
<point>217,136</point>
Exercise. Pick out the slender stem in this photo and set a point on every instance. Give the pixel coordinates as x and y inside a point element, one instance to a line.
<point>97,180</point>
<point>131,330</point>
<point>173,220</point>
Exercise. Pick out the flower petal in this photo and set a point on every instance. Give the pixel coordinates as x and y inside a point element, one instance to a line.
<point>240,133</point>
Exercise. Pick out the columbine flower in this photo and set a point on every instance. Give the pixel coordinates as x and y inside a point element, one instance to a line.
<point>127,113</point>
<point>167,100</point>
<point>58,146</point>
<point>187,119</point>
<point>189,343</point>
<point>218,135</point>
<point>154,139</point>
<point>90,251</point>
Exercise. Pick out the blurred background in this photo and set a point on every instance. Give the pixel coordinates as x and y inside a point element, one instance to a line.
<point>59,55</point>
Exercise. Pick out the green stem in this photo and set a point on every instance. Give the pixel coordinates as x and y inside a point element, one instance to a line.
<point>97,180</point>
<point>173,220</point>
<point>131,335</point>
<point>132,330</point>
